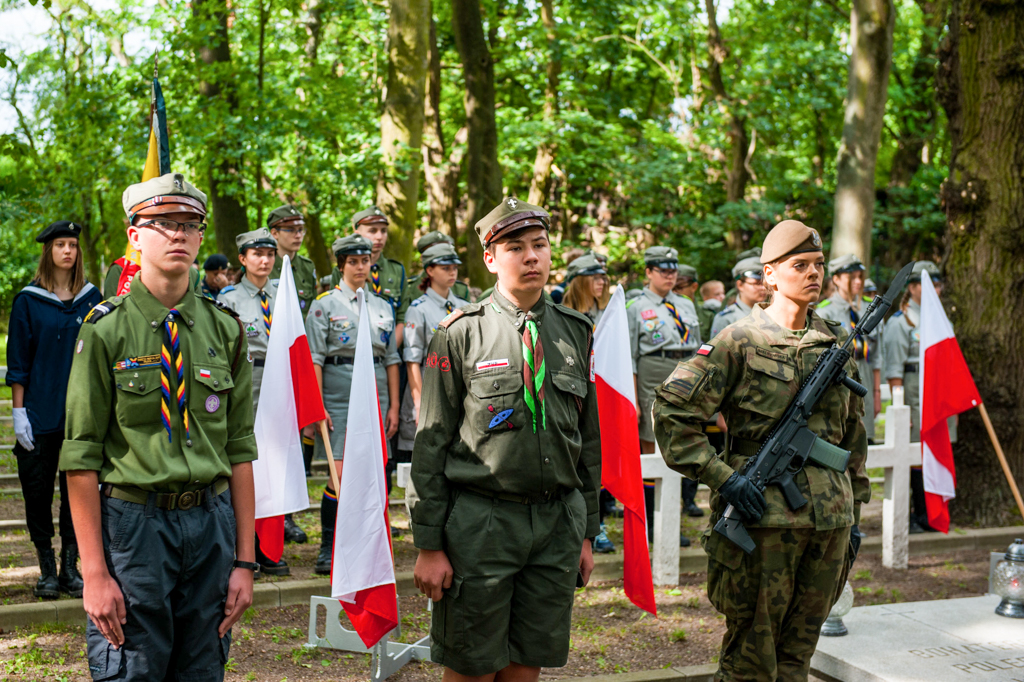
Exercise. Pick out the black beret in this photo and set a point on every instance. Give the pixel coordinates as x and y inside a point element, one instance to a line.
<point>217,261</point>
<point>61,228</point>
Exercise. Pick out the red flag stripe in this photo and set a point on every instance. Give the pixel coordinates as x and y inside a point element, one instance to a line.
<point>271,534</point>
<point>309,404</point>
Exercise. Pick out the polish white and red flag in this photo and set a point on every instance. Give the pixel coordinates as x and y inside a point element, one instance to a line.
<point>291,401</point>
<point>363,571</point>
<point>947,389</point>
<point>620,446</point>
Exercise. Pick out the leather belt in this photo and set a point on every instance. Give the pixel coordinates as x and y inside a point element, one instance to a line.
<point>671,354</point>
<point>339,360</point>
<point>911,368</point>
<point>169,501</point>
<point>557,494</point>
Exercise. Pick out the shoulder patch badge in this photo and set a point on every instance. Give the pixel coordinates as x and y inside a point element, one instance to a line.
<point>705,349</point>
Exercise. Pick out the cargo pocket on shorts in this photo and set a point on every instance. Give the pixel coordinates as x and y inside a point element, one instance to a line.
<point>225,647</point>
<point>105,662</point>
<point>117,517</point>
<point>452,620</point>
<point>731,591</point>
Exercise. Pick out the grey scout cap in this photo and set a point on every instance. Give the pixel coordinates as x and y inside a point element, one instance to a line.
<point>258,238</point>
<point>169,193</point>
<point>847,263</point>
<point>870,287</point>
<point>748,267</point>
<point>352,245</point>
<point>509,217</point>
<point>442,253</point>
<point>370,215</point>
<point>431,238</point>
<point>749,253</point>
<point>924,266</point>
<point>687,272</point>
<point>586,264</point>
<point>282,215</point>
<point>661,257</point>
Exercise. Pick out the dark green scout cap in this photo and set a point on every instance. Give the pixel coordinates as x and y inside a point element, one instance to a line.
<point>284,214</point>
<point>925,266</point>
<point>687,272</point>
<point>258,238</point>
<point>440,254</point>
<point>662,257</point>
<point>61,228</point>
<point>352,245</point>
<point>370,215</point>
<point>509,217</point>
<point>847,263</point>
<point>601,258</point>
<point>431,238</point>
<point>586,264</point>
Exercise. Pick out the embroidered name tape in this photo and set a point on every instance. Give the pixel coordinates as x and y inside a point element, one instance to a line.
<point>772,355</point>
<point>492,364</point>
<point>705,349</point>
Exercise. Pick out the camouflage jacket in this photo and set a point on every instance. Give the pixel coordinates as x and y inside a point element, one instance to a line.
<point>751,374</point>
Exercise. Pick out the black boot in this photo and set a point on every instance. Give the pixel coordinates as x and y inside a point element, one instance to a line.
<point>48,587</point>
<point>70,579</point>
<point>268,566</point>
<point>323,560</point>
<point>292,532</point>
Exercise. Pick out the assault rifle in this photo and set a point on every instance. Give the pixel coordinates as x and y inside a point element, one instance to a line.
<point>791,444</point>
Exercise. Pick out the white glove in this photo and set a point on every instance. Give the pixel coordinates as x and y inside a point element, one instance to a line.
<point>23,429</point>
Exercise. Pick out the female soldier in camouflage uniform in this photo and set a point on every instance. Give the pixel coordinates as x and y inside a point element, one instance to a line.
<point>331,328</point>
<point>776,598</point>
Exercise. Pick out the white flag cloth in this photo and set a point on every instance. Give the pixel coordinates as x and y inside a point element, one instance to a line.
<point>279,474</point>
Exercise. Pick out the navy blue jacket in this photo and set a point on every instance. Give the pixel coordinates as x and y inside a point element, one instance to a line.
<point>40,346</point>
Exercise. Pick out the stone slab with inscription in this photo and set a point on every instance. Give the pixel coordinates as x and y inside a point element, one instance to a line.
<point>945,640</point>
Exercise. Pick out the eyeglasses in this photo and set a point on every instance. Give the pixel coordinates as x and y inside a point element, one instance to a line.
<point>290,230</point>
<point>172,227</point>
<point>666,272</point>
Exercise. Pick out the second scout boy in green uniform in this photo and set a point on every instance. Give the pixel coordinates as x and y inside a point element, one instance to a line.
<point>288,227</point>
<point>158,448</point>
<point>507,464</point>
<point>775,599</point>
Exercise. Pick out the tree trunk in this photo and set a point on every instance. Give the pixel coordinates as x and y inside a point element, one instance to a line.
<point>981,86</point>
<point>541,183</point>
<point>871,28</point>
<point>918,126</point>
<point>229,216</point>
<point>483,181</point>
<point>401,125</point>
<point>319,250</point>
<point>442,175</point>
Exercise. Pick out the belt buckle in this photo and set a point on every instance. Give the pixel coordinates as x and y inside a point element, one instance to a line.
<point>187,500</point>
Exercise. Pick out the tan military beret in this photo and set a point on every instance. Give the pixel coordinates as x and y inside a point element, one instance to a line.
<point>169,193</point>
<point>787,238</point>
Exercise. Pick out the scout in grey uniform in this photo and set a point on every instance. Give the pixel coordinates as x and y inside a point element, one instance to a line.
<point>331,328</point>
<point>586,287</point>
<point>845,306</point>
<point>901,367</point>
<point>421,320</point>
<point>749,292</point>
<point>663,329</point>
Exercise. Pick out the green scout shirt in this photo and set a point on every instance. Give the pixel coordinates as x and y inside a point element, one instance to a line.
<point>113,422</point>
<point>751,375</point>
<point>304,274</point>
<point>475,429</point>
<point>706,312</point>
<point>412,290</point>
<point>392,285</point>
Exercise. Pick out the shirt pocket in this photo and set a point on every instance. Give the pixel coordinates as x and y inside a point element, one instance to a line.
<point>769,385</point>
<point>497,404</point>
<point>211,384</point>
<point>138,396</point>
<point>572,389</point>
<point>382,332</point>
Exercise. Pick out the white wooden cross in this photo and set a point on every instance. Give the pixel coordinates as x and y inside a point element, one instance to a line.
<point>896,455</point>
<point>668,488</point>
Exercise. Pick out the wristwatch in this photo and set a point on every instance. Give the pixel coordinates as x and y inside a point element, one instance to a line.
<point>251,565</point>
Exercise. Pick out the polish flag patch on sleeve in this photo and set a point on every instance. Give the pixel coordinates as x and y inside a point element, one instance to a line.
<point>705,349</point>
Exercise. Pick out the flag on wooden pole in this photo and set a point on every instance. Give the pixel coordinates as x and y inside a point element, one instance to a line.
<point>620,446</point>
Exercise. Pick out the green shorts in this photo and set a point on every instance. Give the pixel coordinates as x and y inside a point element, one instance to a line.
<point>515,571</point>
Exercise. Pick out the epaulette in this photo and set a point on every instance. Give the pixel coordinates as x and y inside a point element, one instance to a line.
<point>326,293</point>
<point>220,305</point>
<point>416,302</point>
<point>831,323</point>
<point>726,309</point>
<point>897,313</point>
<point>825,303</point>
<point>230,287</point>
<point>631,302</point>
<point>102,308</point>
<point>571,312</point>
<point>451,317</point>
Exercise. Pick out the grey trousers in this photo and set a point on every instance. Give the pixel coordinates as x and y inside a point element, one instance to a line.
<point>173,568</point>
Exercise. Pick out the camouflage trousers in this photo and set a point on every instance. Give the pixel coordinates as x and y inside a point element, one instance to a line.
<point>776,599</point>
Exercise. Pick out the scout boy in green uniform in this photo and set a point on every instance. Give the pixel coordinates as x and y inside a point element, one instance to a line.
<point>507,464</point>
<point>158,449</point>
<point>288,228</point>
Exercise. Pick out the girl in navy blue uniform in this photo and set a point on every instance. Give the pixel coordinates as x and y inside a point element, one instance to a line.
<point>45,319</point>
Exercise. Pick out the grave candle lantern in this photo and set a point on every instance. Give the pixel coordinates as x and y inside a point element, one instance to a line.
<point>833,625</point>
<point>1008,581</point>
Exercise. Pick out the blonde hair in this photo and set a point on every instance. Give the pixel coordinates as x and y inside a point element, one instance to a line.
<point>578,297</point>
<point>46,271</point>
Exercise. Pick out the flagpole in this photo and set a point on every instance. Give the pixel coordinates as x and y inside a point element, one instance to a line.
<point>1002,457</point>
<point>330,455</point>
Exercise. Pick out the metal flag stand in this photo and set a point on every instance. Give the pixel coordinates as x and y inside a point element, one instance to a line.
<point>388,656</point>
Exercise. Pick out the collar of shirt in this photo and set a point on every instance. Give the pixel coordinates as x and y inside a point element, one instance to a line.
<point>253,290</point>
<point>515,315</point>
<point>154,311</point>
<point>349,295</point>
<point>744,308</point>
<point>436,297</point>
<point>817,331</point>
<point>654,298</point>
